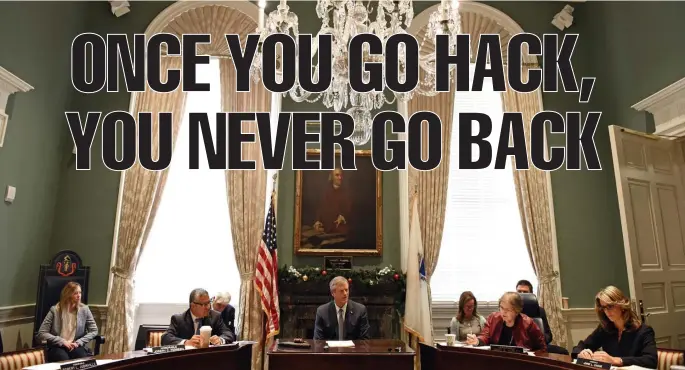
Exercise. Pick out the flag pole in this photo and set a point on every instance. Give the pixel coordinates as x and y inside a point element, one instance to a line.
<point>274,192</point>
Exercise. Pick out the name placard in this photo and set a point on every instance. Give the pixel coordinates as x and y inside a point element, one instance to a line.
<point>87,364</point>
<point>510,349</point>
<point>337,263</point>
<point>167,349</point>
<point>593,363</point>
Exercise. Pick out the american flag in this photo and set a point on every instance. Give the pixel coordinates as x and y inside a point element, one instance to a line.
<point>266,274</point>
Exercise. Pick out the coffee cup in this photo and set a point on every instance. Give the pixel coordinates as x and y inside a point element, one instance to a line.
<point>451,339</point>
<point>205,333</point>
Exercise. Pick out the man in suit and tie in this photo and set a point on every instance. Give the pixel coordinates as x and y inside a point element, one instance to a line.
<point>342,318</point>
<point>220,303</point>
<point>185,327</point>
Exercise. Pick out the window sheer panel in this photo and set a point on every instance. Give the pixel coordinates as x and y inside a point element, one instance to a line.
<point>483,248</point>
<point>190,245</point>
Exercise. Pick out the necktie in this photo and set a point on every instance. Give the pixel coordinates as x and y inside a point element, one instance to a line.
<point>199,324</point>
<point>341,325</point>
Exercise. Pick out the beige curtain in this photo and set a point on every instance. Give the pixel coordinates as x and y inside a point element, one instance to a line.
<point>431,186</point>
<point>141,193</point>
<point>246,198</point>
<point>532,193</point>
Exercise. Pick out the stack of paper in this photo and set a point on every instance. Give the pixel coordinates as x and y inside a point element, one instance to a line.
<point>340,343</point>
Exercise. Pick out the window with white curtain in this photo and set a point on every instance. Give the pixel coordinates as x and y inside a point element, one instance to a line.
<point>190,245</point>
<point>483,248</point>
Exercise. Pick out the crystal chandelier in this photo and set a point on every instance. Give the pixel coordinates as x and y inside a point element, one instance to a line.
<point>343,19</point>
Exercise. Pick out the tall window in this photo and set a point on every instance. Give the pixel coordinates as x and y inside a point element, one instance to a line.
<point>483,249</point>
<point>190,243</point>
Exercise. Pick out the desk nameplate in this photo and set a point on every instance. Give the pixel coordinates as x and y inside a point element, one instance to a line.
<point>167,349</point>
<point>87,364</point>
<point>510,349</point>
<point>593,363</point>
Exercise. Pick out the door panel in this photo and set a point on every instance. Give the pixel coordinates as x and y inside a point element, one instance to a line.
<point>649,174</point>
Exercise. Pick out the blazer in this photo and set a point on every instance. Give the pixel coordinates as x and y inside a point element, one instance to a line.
<point>228,315</point>
<point>51,328</point>
<point>454,327</point>
<point>525,332</point>
<point>356,322</point>
<point>182,327</point>
<point>637,345</point>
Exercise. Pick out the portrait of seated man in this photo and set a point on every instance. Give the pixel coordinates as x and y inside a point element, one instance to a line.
<point>333,223</point>
<point>339,209</point>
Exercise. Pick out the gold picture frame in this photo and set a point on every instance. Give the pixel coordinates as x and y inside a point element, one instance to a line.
<point>362,236</point>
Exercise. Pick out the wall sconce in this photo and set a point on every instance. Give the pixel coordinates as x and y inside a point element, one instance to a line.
<point>563,19</point>
<point>120,8</point>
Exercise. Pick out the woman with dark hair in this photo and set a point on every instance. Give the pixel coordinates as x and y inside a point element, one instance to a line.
<point>510,327</point>
<point>68,326</point>
<point>467,321</point>
<point>624,339</point>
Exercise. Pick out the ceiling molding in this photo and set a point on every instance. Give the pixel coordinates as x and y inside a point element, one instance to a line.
<point>668,108</point>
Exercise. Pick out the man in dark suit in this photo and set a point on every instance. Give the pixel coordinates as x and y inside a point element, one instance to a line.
<point>220,303</point>
<point>185,327</point>
<point>341,319</point>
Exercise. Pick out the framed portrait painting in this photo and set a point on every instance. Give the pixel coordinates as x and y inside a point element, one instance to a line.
<point>339,212</point>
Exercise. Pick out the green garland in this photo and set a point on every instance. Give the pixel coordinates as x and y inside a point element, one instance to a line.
<point>368,277</point>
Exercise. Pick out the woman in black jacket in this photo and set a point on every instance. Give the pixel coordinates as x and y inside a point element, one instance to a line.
<point>623,338</point>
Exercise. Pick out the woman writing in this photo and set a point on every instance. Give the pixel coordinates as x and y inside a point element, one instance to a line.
<point>68,326</point>
<point>624,339</point>
<point>510,327</point>
<point>468,321</point>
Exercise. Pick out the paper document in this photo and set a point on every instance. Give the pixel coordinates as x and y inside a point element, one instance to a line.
<point>340,343</point>
<point>56,366</point>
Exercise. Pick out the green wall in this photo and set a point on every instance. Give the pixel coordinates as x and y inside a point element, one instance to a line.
<point>31,158</point>
<point>91,196</point>
<point>633,48</point>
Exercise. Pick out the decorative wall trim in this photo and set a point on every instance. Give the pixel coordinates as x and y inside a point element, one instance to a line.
<point>99,312</point>
<point>17,315</point>
<point>24,314</point>
<point>579,323</point>
<point>668,108</point>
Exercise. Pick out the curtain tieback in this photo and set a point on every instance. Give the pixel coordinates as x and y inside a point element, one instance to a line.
<point>118,271</point>
<point>247,276</point>
<point>548,278</point>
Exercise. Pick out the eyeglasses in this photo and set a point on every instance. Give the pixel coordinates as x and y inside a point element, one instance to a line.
<point>205,304</point>
<point>607,307</point>
<point>505,309</point>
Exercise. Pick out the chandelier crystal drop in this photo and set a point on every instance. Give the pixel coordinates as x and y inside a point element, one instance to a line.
<point>344,19</point>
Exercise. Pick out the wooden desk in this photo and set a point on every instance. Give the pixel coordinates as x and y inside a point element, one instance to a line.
<point>372,354</point>
<point>444,357</point>
<point>226,357</point>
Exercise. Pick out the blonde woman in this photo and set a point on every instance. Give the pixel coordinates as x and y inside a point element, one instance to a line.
<point>621,335</point>
<point>510,327</point>
<point>68,326</point>
<point>467,321</point>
